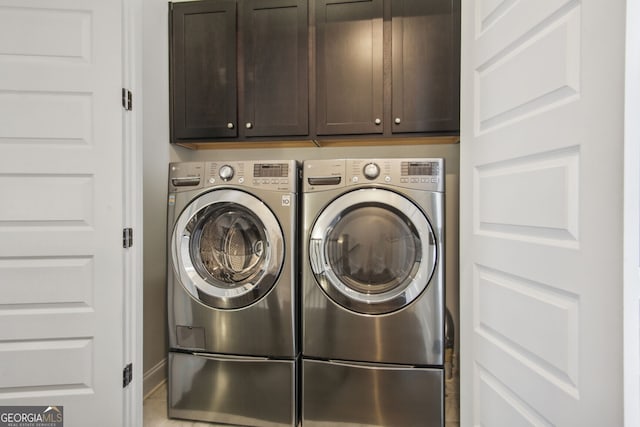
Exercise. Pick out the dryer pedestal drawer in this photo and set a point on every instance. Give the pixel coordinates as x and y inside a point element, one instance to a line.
<point>350,395</point>
<point>238,391</point>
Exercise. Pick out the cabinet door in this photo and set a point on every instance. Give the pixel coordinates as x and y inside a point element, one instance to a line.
<point>425,65</point>
<point>349,67</point>
<point>275,60</point>
<point>203,69</point>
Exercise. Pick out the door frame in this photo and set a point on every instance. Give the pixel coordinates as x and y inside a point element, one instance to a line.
<point>132,305</point>
<point>631,291</point>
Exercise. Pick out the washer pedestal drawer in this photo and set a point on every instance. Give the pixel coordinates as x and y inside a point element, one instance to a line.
<point>347,395</point>
<point>240,391</point>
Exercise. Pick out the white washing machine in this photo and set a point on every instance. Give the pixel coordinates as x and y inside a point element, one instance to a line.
<point>373,292</point>
<point>231,292</point>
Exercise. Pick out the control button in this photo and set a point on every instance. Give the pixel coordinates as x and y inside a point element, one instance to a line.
<point>424,180</point>
<point>354,179</point>
<point>240,180</point>
<point>434,180</point>
<point>371,171</point>
<point>226,172</point>
<point>404,180</point>
<point>212,180</point>
<point>415,180</point>
<point>274,181</point>
<point>387,178</point>
<point>284,181</point>
<point>265,181</point>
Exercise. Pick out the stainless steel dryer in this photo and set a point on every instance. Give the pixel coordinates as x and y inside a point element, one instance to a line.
<point>373,292</point>
<point>231,292</point>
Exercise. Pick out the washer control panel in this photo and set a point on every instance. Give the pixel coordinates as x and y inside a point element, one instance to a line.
<point>185,176</point>
<point>371,171</point>
<point>225,173</point>
<point>267,175</point>
<point>421,174</point>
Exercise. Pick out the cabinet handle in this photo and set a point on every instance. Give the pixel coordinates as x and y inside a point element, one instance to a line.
<point>377,121</point>
<point>248,125</point>
<point>229,125</point>
<point>397,120</point>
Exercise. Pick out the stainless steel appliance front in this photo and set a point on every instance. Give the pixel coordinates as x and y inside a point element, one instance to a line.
<point>355,395</point>
<point>231,287</point>
<point>373,284</point>
<point>240,391</point>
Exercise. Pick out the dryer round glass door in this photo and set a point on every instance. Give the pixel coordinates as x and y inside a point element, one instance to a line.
<point>228,249</point>
<point>372,251</point>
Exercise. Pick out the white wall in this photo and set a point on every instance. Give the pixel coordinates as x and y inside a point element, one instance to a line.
<point>157,153</point>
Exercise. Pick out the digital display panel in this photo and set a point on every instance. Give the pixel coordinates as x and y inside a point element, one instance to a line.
<point>420,168</point>
<point>270,170</point>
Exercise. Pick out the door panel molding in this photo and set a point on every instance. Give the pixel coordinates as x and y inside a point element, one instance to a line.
<point>541,154</point>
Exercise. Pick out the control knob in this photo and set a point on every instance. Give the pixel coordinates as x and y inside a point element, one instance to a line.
<point>371,171</point>
<point>226,172</point>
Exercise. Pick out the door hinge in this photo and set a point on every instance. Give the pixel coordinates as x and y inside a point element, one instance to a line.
<point>127,238</point>
<point>127,99</point>
<point>127,375</point>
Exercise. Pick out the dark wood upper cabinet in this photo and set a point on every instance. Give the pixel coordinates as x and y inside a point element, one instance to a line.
<point>425,66</point>
<point>275,67</point>
<point>349,67</point>
<point>203,69</point>
<point>239,69</point>
<point>404,81</point>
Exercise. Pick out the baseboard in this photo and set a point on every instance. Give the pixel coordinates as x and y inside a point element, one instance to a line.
<point>154,377</point>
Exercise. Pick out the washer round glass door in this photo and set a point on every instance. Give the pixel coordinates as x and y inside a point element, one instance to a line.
<point>372,251</point>
<point>228,249</point>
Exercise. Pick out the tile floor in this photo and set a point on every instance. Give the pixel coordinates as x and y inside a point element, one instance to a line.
<point>155,411</point>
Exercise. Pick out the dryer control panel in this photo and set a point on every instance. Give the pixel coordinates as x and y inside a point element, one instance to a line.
<point>421,174</point>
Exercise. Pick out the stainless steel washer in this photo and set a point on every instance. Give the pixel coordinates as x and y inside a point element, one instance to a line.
<point>373,292</point>
<point>231,292</point>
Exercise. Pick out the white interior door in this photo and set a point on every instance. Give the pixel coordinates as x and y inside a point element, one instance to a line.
<point>61,256</point>
<point>541,212</point>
